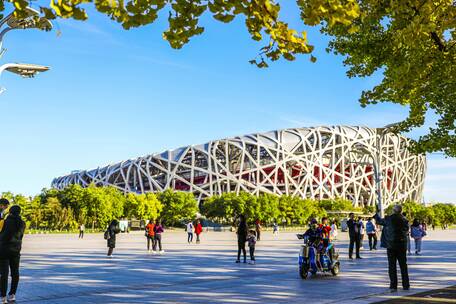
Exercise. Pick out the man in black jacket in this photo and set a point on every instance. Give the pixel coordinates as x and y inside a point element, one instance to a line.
<point>394,239</point>
<point>10,252</point>
<point>355,235</point>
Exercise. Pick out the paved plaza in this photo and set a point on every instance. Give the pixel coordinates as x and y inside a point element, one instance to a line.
<point>61,269</point>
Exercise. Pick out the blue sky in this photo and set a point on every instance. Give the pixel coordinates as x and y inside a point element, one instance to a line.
<point>113,94</point>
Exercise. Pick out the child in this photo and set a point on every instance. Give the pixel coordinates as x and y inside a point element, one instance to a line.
<point>275,229</point>
<point>251,239</point>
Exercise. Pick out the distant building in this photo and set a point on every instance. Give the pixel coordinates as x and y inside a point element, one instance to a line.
<point>317,162</point>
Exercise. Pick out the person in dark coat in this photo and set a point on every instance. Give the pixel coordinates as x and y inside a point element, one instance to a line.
<point>4,203</point>
<point>113,229</point>
<point>394,239</point>
<point>10,252</point>
<point>354,233</point>
<point>242,232</point>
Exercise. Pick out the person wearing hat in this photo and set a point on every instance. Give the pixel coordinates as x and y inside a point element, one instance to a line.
<point>4,203</point>
<point>10,252</point>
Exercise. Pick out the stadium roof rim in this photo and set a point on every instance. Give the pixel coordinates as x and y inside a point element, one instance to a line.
<point>222,139</point>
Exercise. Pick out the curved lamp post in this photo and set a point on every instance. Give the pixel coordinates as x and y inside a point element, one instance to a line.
<point>30,19</point>
<point>25,70</point>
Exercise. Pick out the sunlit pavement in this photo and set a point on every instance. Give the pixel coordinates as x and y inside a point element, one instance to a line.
<point>62,269</point>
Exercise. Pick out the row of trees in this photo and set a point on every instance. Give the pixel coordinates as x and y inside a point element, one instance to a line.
<point>270,208</point>
<point>97,206</point>
<point>437,214</point>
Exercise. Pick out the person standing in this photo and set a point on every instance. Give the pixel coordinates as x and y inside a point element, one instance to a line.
<point>10,252</point>
<point>354,234</point>
<point>417,232</point>
<point>189,229</point>
<point>110,236</point>
<point>150,234</point>
<point>334,231</point>
<point>362,231</point>
<point>158,229</point>
<point>275,229</point>
<point>81,231</point>
<point>4,203</point>
<point>394,239</point>
<point>424,225</point>
<point>371,230</point>
<point>242,238</point>
<point>251,240</point>
<point>258,229</point>
<point>198,230</point>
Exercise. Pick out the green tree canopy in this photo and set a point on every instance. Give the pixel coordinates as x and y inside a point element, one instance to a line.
<point>142,206</point>
<point>411,43</point>
<point>177,206</point>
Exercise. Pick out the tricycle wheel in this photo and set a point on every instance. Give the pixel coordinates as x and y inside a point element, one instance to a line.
<point>335,270</point>
<point>303,271</point>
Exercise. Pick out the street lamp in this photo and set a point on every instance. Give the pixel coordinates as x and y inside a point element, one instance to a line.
<point>25,70</point>
<point>29,21</point>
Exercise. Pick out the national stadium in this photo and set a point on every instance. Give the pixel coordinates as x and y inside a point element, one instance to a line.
<point>315,162</point>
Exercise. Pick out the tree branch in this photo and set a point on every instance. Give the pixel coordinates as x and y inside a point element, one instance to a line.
<point>438,41</point>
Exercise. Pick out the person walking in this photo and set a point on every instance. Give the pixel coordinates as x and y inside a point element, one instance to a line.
<point>189,230</point>
<point>251,240</point>
<point>158,229</point>
<point>81,231</point>
<point>198,230</point>
<point>242,237</point>
<point>258,229</point>
<point>10,252</point>
<point>334,231</point>
<point>371,230</point>
<point>110,236</point>
<point>362,232</point>
<point>417,233</point>
<point>275,229</point>
<point>394,239</point>
<point>354,234</point>
<point>150,235</point>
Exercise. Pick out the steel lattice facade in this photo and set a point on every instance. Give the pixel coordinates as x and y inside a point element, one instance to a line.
<point>317,162</point>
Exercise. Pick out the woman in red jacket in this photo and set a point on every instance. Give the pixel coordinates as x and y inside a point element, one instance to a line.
<point>198,230</point>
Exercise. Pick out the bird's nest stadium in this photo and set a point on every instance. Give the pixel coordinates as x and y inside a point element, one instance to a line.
<point>315,162</point>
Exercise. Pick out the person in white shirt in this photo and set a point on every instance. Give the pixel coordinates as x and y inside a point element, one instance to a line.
<point>362,231</point>
<point>190,232</point>
<point>334,231</point>
<point>81,231</point>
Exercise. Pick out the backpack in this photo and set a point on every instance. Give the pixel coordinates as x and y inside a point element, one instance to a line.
<point>416,232</point>
<point>107,235</point>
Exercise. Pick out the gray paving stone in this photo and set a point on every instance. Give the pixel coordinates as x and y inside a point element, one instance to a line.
<point>62,269</point>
